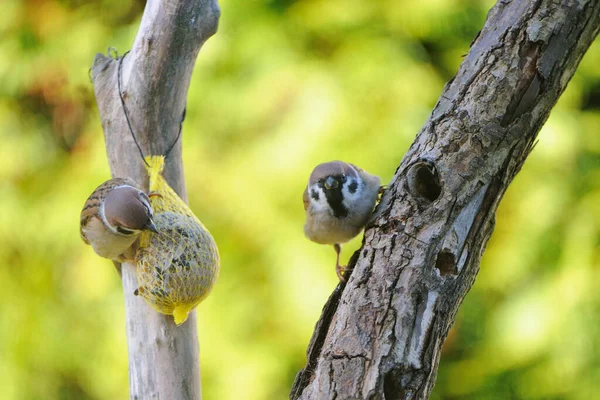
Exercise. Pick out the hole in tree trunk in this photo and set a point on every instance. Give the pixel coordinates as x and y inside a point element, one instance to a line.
<point>424,181</point>
<point>446,263</point>
<point>392,387</point>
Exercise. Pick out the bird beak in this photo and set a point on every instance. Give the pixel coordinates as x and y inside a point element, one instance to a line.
<point>151,226</point>
<point>330,183</point>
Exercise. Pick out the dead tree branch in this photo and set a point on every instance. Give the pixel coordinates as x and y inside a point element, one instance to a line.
<point>163,358</point>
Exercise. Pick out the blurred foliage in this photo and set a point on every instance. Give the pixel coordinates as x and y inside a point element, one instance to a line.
<point>283,86</point>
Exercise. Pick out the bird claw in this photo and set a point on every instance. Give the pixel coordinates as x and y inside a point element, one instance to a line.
<point>340,269</point>
<point>123,258</point>
<point>382,190</point>
<point>155,194</point>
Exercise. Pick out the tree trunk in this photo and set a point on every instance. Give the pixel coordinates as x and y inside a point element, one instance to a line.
<point>163,358</point>
<point>380,336</point>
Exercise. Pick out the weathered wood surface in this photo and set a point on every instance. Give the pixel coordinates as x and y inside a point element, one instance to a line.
<point>163,358</point>
<point>380,336</point>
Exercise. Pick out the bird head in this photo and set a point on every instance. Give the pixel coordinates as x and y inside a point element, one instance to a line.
<point>127,211</point>
<point>332,188</point>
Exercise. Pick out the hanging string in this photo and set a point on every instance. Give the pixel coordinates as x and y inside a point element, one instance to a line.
<point>119,73</point>
<point>178,133</point>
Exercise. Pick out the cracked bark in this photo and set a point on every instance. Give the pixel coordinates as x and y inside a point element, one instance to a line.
<point>163,358</point>
<point>380,336</point>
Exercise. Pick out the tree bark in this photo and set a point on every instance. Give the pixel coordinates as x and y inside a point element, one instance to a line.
<point>381,335</point>
<point>163,358</point>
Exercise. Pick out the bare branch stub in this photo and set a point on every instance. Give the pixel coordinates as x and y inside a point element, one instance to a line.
<point>163,358</point>
<point>382,337</point>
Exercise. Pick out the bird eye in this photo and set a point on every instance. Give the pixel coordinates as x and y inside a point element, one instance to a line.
<point>124,231</point>
<point>344,179</point>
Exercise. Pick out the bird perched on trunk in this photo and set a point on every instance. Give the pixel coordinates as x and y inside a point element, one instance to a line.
<point>338,200</point>
<point>113,217</point>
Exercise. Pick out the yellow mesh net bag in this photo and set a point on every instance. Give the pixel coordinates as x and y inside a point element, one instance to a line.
<point>177,267</point>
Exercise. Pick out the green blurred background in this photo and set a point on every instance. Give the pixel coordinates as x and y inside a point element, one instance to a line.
<point>283,86</point>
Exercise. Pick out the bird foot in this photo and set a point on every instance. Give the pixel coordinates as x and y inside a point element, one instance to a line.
<point>340,270</point>
<point>126,258</point>
<point>129,254</point>
<point>382,190</point>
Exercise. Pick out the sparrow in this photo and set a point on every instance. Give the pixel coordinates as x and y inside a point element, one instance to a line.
<point>338,201</point>
<point>113,217</point>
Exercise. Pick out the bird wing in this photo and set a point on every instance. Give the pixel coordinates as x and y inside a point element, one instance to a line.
<point>83,221</point>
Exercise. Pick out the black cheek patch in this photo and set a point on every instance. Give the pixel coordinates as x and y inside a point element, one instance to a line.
<point>314,194</point>
<point>352,188</point>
